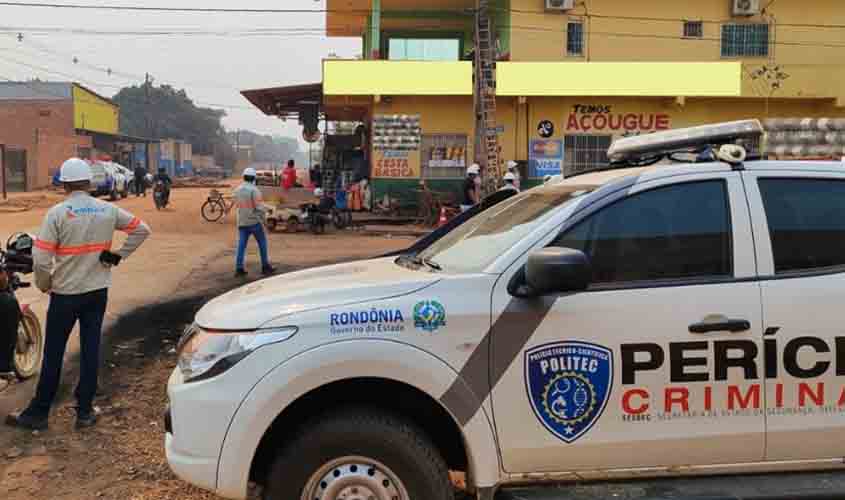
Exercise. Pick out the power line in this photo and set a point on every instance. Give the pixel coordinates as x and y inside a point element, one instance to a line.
<point>466,11</point>
<point>306,32</point>
<point>206,10</point>
<point>58,73</point>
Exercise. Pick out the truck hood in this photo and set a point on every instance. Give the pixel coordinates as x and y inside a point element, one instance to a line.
<point>256,304</point>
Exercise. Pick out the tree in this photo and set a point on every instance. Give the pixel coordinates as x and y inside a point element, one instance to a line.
<point>164,112</point>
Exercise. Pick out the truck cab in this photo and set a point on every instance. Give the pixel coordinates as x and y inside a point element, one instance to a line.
<point>643,322</point>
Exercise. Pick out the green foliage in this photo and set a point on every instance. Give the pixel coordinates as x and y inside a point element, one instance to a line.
<point>164,112</point>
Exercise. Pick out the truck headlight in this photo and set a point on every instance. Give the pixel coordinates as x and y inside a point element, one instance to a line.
<point>204,354</point>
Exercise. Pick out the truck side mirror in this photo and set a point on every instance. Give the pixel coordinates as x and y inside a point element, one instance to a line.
<point>552,270</point>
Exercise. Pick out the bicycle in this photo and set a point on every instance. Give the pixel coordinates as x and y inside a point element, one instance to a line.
<point>217,206</point>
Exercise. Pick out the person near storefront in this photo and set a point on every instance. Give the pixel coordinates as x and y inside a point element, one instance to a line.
<point>513,169</point>
<point>72,260</point>
<point>289,176</point>
<point>471,189</point>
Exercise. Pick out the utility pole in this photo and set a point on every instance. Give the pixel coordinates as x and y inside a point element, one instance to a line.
<point>149,126</point>
<point>486,133</point>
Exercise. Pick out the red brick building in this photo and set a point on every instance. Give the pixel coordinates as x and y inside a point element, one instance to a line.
<point>50,122</point>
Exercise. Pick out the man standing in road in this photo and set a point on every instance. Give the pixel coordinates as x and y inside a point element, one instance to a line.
<point>250,223</point>
<point>140,180</point>
<point>72,262</point>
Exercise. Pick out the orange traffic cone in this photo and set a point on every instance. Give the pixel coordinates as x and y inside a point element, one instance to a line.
<point>443,219</point>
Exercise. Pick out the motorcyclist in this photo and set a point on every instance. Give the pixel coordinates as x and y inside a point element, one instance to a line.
<point>163,176</point>
<point>10,315</point>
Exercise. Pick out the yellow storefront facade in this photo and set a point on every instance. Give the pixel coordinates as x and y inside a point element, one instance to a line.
<point>572,80</point>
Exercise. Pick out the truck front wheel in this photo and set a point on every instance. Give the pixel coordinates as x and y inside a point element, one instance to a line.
<point>362,454</point>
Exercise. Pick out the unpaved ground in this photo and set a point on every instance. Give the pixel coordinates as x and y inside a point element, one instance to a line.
<point>155,295</point>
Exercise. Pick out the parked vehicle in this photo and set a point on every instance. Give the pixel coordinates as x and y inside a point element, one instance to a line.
<point>29,348</point>
<point>120,180</point>
<point>644,322</point>
<point>103,181</point>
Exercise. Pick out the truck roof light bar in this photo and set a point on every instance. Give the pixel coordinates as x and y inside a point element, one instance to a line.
<point>662,143</point>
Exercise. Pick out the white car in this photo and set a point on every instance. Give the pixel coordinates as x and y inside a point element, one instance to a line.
<point>120,186</point>
<point>649,322</point>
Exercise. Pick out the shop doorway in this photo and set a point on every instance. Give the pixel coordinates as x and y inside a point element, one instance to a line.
<point>14,164</point>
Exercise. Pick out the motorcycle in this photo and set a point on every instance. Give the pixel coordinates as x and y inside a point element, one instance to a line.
<point>29,346</point>
<point>160,195</point>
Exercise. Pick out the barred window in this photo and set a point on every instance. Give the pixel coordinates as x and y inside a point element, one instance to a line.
<point>575,39</point>
<point>693,29</point>
<point>745,40</point>
<point>585,153</point>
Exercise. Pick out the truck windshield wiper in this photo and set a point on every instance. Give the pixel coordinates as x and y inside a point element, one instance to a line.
<point>430,263</point>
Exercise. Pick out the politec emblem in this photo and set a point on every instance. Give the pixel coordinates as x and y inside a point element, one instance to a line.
<point>569,385</point>
<point>429,316</point>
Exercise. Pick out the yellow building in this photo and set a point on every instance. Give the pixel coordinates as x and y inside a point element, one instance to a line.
<point>571,79</point>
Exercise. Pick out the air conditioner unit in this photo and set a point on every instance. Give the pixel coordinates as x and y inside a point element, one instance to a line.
<point>560,5</point>
<point>745,7</point>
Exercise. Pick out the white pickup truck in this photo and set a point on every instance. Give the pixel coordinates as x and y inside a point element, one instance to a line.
<point>657,323</point>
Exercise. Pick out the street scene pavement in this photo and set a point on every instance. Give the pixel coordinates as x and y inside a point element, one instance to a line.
<point>186,262</point>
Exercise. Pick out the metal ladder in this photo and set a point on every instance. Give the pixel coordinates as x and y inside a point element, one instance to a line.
<point>485,97</point>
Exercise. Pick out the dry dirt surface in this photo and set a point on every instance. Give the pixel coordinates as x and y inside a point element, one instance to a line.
<point>155,295</point>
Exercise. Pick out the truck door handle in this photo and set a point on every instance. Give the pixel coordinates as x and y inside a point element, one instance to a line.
<point>721,325</point>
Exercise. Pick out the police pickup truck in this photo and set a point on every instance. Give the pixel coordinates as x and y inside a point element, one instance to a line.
<point>670,326</point>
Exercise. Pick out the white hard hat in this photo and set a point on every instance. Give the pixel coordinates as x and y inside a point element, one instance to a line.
<point>474,169</point>
<point>318,193</point>
<point>75,170</point>
<point>510,177</point>
<point>250,172</point>
<point>512,165</point>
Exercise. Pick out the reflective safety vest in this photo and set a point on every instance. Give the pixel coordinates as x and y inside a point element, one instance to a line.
<point>71,239</point>
<point>250,205</point>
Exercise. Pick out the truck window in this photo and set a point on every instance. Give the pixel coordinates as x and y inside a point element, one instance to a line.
<point>473,245</point>
<point>806,222</point>
<point>675,232</point>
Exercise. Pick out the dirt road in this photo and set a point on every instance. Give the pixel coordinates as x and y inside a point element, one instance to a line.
<point>155,295</point>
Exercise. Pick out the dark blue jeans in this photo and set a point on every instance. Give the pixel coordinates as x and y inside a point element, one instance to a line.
<point>244,234</point>
<point>88,309</point>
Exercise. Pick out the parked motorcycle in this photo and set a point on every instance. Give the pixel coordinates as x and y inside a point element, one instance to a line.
<point>29,347</point>
<point>160,195</point>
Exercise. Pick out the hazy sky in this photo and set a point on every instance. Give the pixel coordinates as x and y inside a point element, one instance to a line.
<point>212,68</point>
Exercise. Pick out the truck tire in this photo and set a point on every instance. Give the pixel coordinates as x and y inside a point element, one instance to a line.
<point>359,453</point>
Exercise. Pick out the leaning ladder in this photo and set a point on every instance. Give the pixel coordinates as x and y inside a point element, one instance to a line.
<point>485,97</point>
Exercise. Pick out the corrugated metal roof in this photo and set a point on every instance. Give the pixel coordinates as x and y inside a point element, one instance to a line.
<point>35,91</point>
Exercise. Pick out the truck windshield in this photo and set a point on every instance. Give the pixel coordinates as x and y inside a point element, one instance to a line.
<point>473,245</point>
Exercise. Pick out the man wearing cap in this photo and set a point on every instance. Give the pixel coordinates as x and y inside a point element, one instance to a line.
<point>250,223</point>
<point>510,183</point>
<point>470,192</point>
<point>73,259</point>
